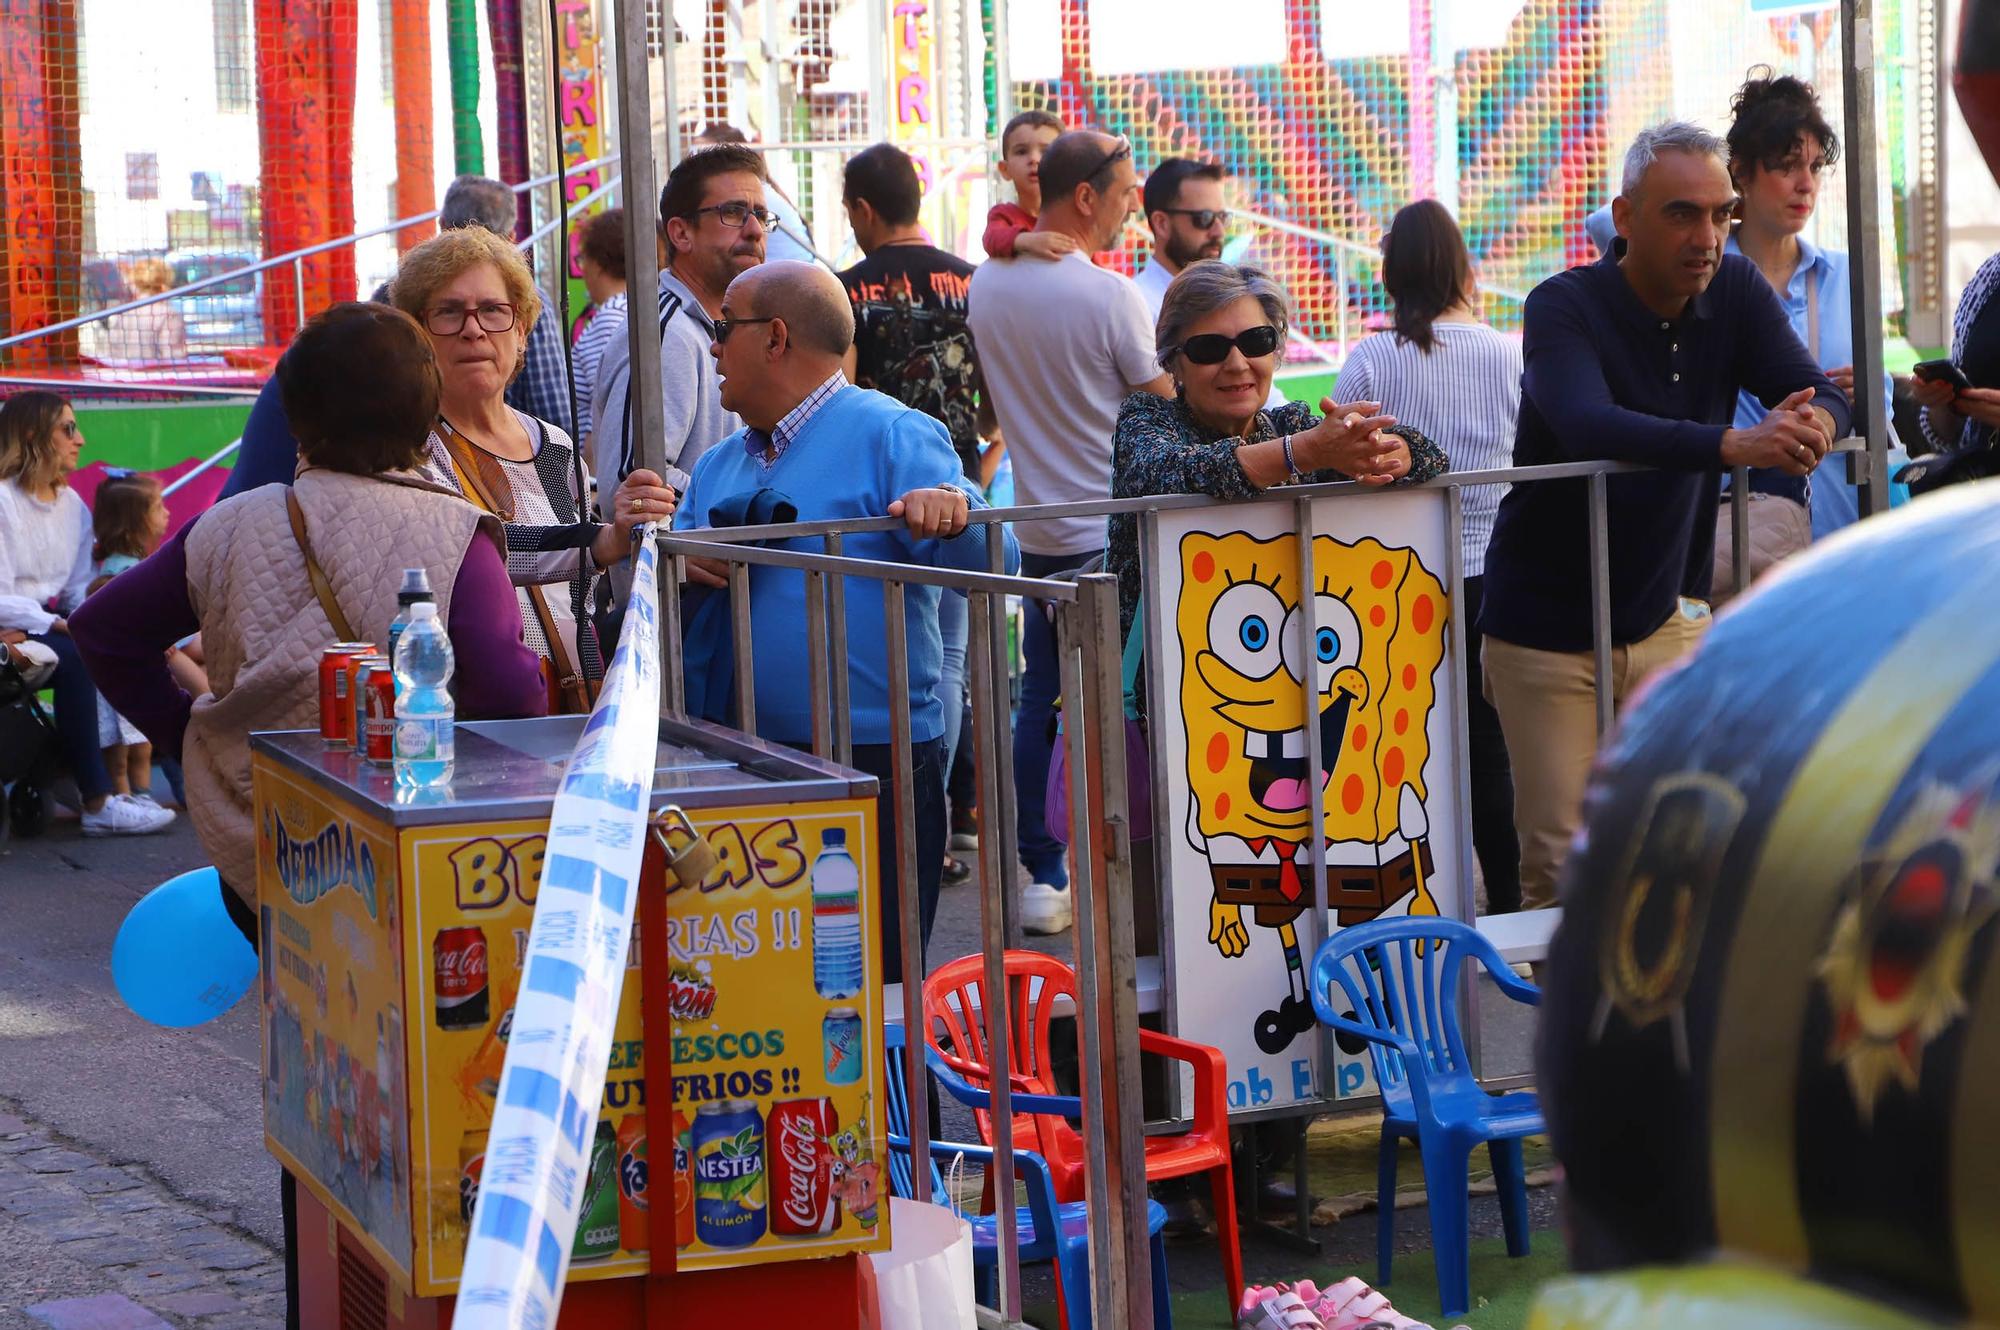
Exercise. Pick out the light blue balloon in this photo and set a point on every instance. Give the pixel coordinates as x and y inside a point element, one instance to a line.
<point>178,961</point>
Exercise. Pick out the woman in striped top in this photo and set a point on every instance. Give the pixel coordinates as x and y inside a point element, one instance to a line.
<point>1459,382</point>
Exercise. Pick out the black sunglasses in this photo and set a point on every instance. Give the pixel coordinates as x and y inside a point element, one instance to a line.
<point>724,327</point>
<point>1213,348</point>
<point>1203,218</point>
<point>1120,149</point>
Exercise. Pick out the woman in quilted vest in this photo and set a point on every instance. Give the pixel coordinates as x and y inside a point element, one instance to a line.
<point>474,295</point>
<point>237,575</point>
<point>361,388</point>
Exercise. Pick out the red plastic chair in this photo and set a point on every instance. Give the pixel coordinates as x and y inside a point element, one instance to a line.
<point>955,1016</point>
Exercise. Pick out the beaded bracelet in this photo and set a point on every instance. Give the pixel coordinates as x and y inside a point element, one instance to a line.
<point>1291,465</point>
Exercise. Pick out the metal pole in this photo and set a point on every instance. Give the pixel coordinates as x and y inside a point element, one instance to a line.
<point>817,667</point>
<point>741,640</point>
<point>1318,761</point>
<point>992,826</point>
<point>991,735</point>
<point>1444,91</point>
<point>1600,600</point>
<point>1864,244</point>
<point>1739,527</point>
<point>910,926</point>
<point>836,609</point>
<point>299,289</point>
<point>642,271</point>
<point>1003,73</point>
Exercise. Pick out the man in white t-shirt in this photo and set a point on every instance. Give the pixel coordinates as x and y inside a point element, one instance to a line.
<point>1185,211</point>
<point>1062,342</point>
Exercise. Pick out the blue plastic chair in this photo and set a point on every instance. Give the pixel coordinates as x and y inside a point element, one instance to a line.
<point>1045,1229</point>
<point>1401,979</point>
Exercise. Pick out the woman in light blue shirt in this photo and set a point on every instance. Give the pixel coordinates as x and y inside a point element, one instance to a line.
<point>1780,146</point>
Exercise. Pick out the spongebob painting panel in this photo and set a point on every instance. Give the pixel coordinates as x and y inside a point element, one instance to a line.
<point>1235,655</point>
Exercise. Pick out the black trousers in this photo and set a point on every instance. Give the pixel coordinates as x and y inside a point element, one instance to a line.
<point>1494,839</point>
<point>245,918</point>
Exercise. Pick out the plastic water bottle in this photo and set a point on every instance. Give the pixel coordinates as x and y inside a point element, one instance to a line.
<point>416,587</point>
<point>424,706</point>
<point>836,903</point>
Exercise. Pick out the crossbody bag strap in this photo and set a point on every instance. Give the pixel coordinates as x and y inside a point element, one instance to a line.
<point>569,679</point>
<point>321,587</point>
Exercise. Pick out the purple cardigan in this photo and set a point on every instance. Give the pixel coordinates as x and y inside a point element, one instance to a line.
<point>124,630</point>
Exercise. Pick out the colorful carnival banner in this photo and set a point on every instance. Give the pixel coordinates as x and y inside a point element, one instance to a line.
<point>538,1156</point>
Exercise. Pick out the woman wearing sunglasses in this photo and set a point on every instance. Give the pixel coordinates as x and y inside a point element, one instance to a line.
<point>1220,330</point>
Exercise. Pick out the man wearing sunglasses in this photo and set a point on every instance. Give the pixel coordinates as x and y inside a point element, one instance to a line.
<point>1184,210</point>
<point>1061,342</point>
<point>831,450</point>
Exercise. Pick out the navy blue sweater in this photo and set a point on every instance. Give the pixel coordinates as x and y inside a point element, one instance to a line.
<point>1608,379</point>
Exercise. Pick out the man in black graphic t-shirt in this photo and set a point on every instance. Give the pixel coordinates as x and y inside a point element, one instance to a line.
<point>910,338</point>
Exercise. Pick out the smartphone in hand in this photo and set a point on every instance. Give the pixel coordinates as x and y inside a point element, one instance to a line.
<point>1941,371</point>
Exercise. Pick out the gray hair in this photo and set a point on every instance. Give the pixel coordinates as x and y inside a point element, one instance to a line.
<point>1668,136</point>
<point>478,200</point>
<point>1204,287</point>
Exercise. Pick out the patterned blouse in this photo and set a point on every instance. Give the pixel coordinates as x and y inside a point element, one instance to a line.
<point>1159,448</point>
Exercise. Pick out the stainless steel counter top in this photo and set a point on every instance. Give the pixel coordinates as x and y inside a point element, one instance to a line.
<point>510,769</point>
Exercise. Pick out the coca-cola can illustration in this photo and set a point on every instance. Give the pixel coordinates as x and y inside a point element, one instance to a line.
<point>459,959</point>
<point>798,1142</point>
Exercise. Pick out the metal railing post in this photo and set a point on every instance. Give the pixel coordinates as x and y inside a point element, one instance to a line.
<point>836,612</point>
<point>1739,527</point>
<point>741,642</point>
<point>909,924</point>
<point>816,664</point>
<point>991,825</point>
<point>991,735</point>
<point>1107,970</point>
<point>299,289</point>
<point>1317,761</point>
<point>1600,600</point>
<point>673,680</point>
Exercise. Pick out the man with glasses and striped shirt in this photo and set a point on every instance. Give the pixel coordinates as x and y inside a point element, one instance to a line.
<point>713,222</point>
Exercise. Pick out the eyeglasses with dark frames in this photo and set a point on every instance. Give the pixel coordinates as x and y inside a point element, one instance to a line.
<point>1203,218</point>
<point>736,212</point>
<point>449,320</point>
<point>724,327</point>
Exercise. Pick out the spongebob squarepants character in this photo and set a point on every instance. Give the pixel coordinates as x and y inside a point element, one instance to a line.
<point>1379,642</point>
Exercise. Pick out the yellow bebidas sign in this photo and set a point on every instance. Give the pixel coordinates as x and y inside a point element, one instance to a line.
<point>1232,754</point>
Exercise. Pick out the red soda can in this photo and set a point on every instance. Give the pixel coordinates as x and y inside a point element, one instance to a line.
<point>335,693</point>
<point>459,959</point>
<point>798,1139</point>
<point>357,697</point>
<point>378,690</point>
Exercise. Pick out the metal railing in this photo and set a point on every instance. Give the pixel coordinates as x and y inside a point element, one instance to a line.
<point>1089,652</point>
<point>297,257</point>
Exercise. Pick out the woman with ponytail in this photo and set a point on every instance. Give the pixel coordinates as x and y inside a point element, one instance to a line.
<point>1458,382</point>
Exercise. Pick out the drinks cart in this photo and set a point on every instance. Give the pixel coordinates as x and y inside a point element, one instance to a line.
<point>394,927</point>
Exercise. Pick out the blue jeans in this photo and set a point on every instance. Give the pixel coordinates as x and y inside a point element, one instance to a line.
<point>1041,684</point>
<point>76,717</point>
<point>955,625</point>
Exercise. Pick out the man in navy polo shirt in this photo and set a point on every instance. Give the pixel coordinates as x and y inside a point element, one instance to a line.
<point>1635,358</point>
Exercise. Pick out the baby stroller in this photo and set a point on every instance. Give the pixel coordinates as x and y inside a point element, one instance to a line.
<point>28,761</point>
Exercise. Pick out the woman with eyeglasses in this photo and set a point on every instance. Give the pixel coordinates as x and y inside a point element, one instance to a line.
<point>472,293</point>
<point>1220,331</point>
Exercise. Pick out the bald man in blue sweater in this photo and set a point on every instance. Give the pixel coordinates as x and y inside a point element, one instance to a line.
<point>838,451</point>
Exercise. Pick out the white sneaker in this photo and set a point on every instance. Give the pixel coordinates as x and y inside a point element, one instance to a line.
<point>145,799</point>
<point>963,840</point>
<point>1046,910</point>
<point>120,816</point>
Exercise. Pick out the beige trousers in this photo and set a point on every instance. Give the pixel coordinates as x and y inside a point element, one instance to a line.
<point>1547,702</point>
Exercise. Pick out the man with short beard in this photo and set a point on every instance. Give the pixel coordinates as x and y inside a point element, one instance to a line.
<point>1183,202</point>
<point>1184,208</point>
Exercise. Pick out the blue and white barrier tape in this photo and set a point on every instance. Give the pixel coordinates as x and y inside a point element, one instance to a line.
<point>538,1149</point>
